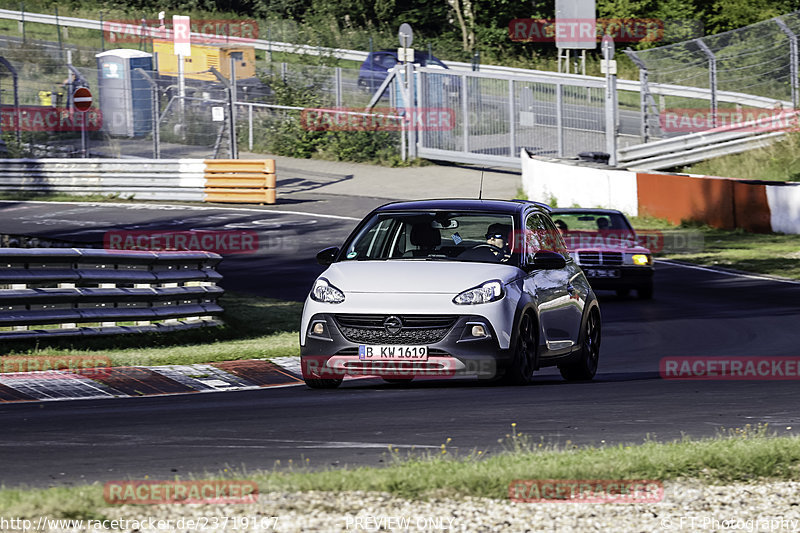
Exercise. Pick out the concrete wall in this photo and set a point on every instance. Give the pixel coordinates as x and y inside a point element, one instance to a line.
<point>573,184</point>
<point>726,203</point>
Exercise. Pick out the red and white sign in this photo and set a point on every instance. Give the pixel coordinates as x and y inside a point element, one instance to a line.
<point>82,99</point>
<point>182,35</point>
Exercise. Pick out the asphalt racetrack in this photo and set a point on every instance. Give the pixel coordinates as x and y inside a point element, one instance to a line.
<point>696,312</point>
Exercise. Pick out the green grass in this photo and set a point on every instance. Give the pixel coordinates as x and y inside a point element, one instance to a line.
<point>255,328</point>
<point>778,162</point>
<point>743,455</point>
<point>773,254</point>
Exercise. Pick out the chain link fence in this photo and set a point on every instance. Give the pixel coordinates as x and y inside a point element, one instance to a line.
<point>758,60</point>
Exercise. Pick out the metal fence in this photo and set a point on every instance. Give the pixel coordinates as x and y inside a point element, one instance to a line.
<point>760,59</point>
<point>496,115</point>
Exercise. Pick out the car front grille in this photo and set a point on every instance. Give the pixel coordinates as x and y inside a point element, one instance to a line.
<point>600,258</point>
<point>416,329</point>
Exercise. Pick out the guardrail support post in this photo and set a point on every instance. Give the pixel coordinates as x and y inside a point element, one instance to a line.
<point>792,58</point>
<point>712,78</point>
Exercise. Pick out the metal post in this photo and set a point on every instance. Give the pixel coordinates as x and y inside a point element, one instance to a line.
<point>464,113</point>
<point>338,86</point>
<point>58,30</point>
<point>182,97</point>
<point>512,126</point>
<point>712,79</point>
<point>102,34</point>
<point>250,127</point>
<point>155,113</point>
<point>83,134</point>
<point>559,121</point>
<point>234,150</point>
<point>22,20</point>
<point>419,95</point>
<point>283,72</point>
<point>15,86</point>
<point>269,49</point>
<point>792,58</point>
<point>411,110</point>
<point>644,93</point>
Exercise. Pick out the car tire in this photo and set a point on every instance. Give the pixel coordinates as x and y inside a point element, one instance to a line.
<point>319,383</point>
<point>645,292</point>
<point>524,359</point>
<point>585,367</point>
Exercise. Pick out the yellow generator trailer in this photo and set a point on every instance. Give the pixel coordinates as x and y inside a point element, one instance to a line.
<point>205,56</point>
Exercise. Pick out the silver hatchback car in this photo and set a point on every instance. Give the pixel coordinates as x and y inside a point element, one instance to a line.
<point>446,288</point>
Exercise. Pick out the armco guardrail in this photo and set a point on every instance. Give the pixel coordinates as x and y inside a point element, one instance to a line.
<point>358,55</point>
<point>141,179</point>
<point>694,147</point>
<point>240,180</point>
<point>67,292</point>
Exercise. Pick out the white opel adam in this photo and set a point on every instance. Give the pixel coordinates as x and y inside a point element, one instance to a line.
<point>446,288</point>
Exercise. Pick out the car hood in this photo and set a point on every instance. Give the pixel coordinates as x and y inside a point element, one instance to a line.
<point>604,241</point>
<point>413,276</point>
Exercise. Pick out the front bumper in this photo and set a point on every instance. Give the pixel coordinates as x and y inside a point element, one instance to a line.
<point>456,353</point>
<point>631,277</point>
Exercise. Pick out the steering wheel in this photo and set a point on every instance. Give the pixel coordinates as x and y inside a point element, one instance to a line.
<point>492,247</point>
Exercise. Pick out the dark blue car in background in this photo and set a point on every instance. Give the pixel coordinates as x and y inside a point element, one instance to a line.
<point>376,67</point>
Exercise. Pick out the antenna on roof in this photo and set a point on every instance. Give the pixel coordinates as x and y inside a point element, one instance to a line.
<point>480,191</point>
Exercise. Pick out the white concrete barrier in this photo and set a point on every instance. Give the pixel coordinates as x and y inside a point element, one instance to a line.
<point>579,183</point>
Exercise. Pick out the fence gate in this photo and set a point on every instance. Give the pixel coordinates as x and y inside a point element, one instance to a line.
<point>494,116</point>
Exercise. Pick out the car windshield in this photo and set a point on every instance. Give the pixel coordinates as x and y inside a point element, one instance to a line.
<point>424,235</point>
<point>610,229</point>
<point>591,221</point>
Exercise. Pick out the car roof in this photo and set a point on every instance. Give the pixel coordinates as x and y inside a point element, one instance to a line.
<point>576,210</point>
<point>464,204</point>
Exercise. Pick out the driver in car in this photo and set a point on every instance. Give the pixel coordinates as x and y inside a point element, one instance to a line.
<point>497,236</point>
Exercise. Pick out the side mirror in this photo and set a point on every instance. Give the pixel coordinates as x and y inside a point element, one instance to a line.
<point>548,260</point>
<point>327,256</point>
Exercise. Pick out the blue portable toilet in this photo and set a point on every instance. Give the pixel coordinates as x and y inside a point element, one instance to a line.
<point>126,100</point>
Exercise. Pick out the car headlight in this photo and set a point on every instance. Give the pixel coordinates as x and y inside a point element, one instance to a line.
<point>323,291</point>
<point>487,292</point>
<point>641,259</point>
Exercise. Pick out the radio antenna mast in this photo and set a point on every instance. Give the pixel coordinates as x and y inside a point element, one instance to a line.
<point>480,191</point>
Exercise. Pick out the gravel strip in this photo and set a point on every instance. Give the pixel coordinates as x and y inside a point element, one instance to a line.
<point>685,507</point>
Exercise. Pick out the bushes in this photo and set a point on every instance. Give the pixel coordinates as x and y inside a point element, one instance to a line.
<point>284,133</point>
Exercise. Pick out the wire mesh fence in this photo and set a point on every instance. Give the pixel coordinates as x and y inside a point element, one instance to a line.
<point>759,60</point>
